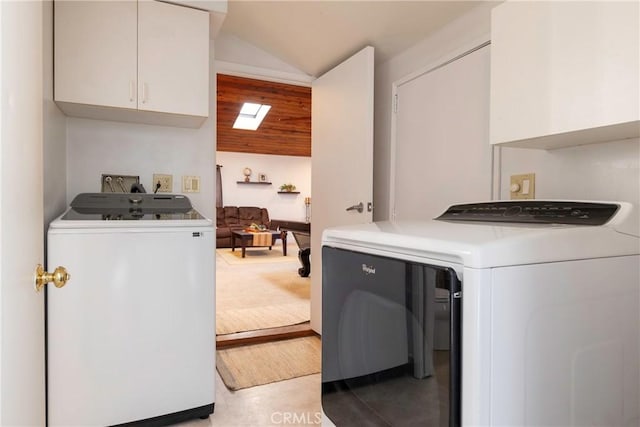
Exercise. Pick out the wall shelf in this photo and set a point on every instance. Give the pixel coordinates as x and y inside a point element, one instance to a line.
<point>254,182</point>
<point>288,192</point>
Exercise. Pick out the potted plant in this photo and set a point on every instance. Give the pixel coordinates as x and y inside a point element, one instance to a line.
<point>288,188</point>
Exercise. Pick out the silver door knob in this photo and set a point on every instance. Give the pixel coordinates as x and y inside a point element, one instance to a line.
<point>359,207</point>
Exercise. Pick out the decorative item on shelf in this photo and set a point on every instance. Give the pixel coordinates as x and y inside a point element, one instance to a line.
<point>255,228</point>
<point>247,174</point>
<point>307,209</point>
<point>287,188</point>
<point>262,177</point>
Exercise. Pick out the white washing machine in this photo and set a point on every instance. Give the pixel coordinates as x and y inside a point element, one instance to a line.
<point>522,313</point>
<point>131,337</point>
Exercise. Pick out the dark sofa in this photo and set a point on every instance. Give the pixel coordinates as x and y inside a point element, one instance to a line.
<point>232,217</point>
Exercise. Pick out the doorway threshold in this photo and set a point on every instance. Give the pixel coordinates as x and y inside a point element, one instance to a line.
<point>264,335</point>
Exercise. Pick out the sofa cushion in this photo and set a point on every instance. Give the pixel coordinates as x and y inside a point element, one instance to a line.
<point>231,215</point>
<point>249,215</point>
<point>223,232</point>
<point>220,222</point>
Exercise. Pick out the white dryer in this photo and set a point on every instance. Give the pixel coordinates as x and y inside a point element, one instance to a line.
<point>522,313</point>
<point>131,337</point>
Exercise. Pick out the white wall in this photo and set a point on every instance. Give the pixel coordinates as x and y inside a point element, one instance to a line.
<point>607,171</point>
<point>95,147</point>
<point>54,132</point>
<point>279,170</point>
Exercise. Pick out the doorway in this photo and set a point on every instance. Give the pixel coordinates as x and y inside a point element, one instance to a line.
<point>268,168</point>
<point>342,131</point>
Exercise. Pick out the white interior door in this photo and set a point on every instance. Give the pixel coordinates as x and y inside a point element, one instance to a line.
<point>22,374</point>
<point>342,156</point>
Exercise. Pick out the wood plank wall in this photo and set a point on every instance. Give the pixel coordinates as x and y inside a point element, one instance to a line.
<point>286,130</point>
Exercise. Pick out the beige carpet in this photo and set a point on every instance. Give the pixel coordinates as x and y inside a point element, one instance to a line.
<point>252,365</point>
<point>260,296</point>
<point>257,255</point>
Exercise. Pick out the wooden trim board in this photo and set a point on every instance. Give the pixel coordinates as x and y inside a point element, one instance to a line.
<point>264,335</point>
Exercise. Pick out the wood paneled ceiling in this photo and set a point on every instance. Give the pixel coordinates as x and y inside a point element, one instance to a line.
<point>286,130</point>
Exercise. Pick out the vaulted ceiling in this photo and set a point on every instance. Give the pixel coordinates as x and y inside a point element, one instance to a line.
<point>314,36</point>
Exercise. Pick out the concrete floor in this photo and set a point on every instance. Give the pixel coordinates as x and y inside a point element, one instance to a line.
<point>294,402</point>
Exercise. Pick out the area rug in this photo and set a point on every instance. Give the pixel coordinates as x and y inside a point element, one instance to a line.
<point>256,255</point>
<point>251,319</point>
<point>260,296</point>
<point>252,365</point>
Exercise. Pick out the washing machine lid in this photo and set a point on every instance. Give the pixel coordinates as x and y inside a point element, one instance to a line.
<point>481,235</point>
<point>137,207</point>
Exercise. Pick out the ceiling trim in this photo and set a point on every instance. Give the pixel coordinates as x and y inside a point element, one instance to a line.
<point>249,71</point>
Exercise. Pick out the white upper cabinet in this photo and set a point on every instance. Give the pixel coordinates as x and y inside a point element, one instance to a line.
<point>96,53</point>
<point>132,61</point>
<point>564,73</point>
<point>173,59</point>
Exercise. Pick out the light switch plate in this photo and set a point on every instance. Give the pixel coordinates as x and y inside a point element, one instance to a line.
<point>190,184</point>
<point>523,186</point>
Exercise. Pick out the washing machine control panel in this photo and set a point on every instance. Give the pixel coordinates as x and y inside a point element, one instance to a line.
<point>535,211</point>
<point>130,206</point>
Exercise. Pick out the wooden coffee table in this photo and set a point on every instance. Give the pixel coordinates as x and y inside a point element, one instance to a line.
<point>244,237</point>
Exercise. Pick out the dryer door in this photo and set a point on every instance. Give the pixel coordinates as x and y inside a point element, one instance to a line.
<point>390,341</point>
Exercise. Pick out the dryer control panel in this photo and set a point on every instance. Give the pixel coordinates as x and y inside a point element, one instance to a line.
<point>536,211</point>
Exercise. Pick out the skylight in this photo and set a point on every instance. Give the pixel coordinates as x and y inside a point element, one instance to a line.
<point>251,116</point>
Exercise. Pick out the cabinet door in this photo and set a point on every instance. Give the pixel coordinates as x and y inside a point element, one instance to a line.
<point>564,67</point>
<point>95,53</point>
<point>173,55</point>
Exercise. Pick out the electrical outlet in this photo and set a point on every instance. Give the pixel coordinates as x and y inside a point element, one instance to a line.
<point>165,181</point>
<point>523,186</point>
<point>190,184</point>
